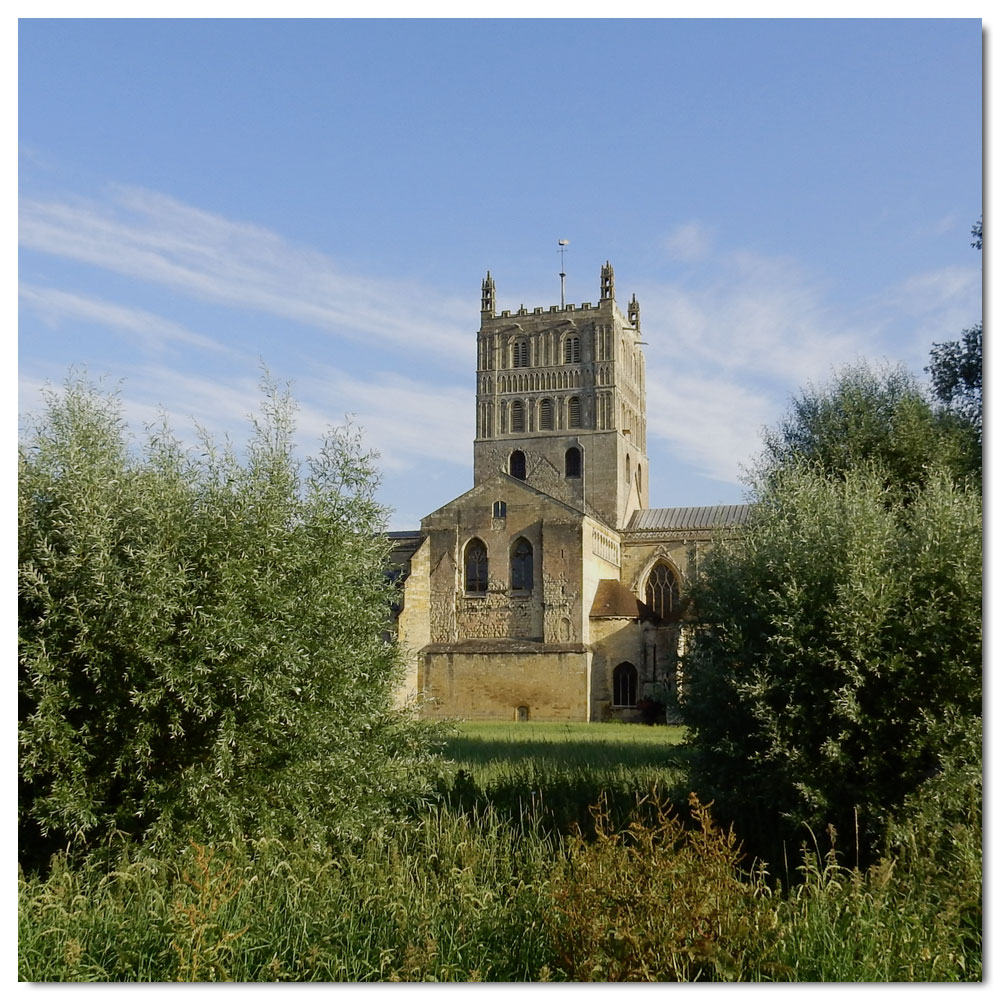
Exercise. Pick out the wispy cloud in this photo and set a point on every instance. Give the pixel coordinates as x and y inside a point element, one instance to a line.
<point>55,306</point>
<point>158,239</point>
<point>726,353</point>
<point>408,423</point>
<point>689,241</point>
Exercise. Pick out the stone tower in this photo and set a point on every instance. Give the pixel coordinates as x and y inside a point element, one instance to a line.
<point>561,402</point>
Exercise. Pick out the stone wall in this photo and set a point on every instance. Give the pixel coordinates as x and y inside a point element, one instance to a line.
<point>479,680</point>
<point>413,626</point>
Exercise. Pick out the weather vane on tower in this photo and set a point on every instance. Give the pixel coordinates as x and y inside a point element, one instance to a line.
<point>562,273</point>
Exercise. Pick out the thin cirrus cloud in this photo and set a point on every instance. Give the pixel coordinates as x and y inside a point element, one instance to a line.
<point>54,306</point>
<point>689,241</point>
<point>145,235</point>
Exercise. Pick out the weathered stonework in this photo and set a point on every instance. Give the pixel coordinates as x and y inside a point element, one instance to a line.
<point>559,511</point>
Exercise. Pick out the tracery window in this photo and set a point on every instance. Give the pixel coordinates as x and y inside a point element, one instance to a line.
<point>545,422</point>
<point>517,465</point>
<point>625,684</point>
<point>573,463</point>
<point>663,592</point>
<point>476,566</point>
<point>522,566</point>
<point>574,412</point>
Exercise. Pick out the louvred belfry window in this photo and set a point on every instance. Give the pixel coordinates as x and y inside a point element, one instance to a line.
<point>517,417</point>
<point>545,415</point>
<point>574,412</point>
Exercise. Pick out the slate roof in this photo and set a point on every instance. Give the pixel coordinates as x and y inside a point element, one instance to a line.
<point>689,518</point>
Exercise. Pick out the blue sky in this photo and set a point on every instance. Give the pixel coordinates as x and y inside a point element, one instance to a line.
<point>326,196</point>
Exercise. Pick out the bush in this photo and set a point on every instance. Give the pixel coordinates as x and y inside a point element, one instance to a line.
<point>836,658</point>
<point>201,638</point>
<point>660,901</point>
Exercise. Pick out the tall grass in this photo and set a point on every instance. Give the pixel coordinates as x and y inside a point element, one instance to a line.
<point>467,891</point>
<point>446,898</point>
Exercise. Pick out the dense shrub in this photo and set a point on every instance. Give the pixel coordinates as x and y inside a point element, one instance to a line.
<point>660,901</point>
<point>835,664</point>
<point>200,637</point>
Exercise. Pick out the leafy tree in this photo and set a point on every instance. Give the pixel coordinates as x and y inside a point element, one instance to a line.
<point>200,638</point>
<point>956,370</point>
<point>865,415</point>
<point>836,658</point>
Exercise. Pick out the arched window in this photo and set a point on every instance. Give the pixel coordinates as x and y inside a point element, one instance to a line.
<point>574,411</point>
<point>517,465</point>
<point>625,684</point>
<point>573,463</point>
<point>476,565</point>
<point>499,508</point>
<point>638,479</point>
<point>517,417</point>
<point>522,566</point>
<point>663,592</point>
<point>571,350</point>
<point>519,354</point>
<point>545,415</point>
<point>628,471</point>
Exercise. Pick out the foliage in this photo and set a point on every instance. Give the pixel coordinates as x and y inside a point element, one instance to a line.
<point>835,663</point>
<point>200,638</point>
<point>443,898</point>
<point>470,897</point>
<point>657,902</point>
<point>956,371</point>
<point>865,415</point>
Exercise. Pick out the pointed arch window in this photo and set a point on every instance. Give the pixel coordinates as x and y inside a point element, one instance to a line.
<point>571,350</point>
<point>574,463</point>
<point>522,566</point>
<point>517,465</point>
<point>519,354</point>
<point>663,592</point>
<point>545,421</point>
<point>476,567</point>
<point>574,411</point>
<point>517,417</point>
<point>625,685</point>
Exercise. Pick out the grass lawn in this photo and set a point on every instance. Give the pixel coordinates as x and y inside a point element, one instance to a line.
<point>570,744</point>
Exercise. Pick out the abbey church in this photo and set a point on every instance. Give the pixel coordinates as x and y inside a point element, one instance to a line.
<point>551,590</point>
